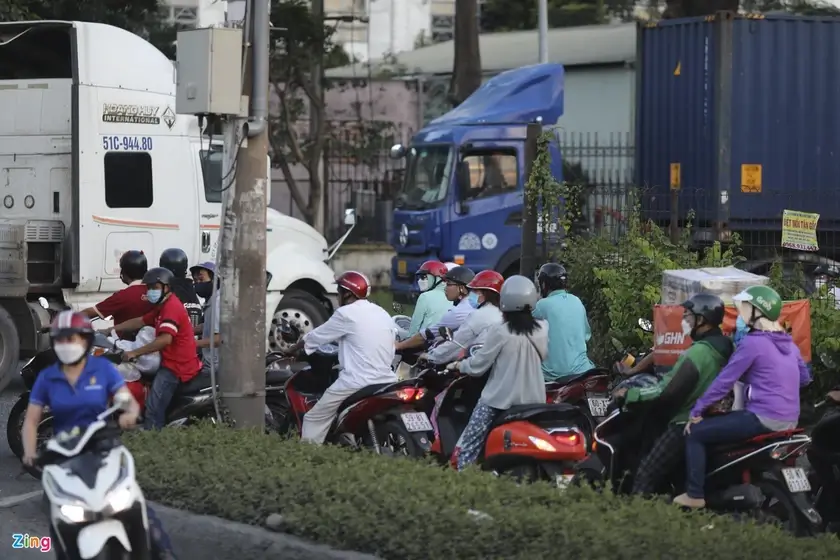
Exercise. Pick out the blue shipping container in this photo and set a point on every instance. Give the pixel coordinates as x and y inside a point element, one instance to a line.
<point>742,114</point>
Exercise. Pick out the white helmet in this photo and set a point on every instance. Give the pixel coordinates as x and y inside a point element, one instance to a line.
<point>450,265</point>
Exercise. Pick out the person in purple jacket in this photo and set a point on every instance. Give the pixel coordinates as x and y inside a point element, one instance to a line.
<point>770,366</point>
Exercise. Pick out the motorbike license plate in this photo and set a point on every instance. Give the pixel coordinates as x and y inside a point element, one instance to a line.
<point>796,479</point>
<point>598,407</point>
<point>416,422</point>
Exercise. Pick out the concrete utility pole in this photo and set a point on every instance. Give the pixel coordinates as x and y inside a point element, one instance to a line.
<point>243,243</point>
<point>542,24</point>
<point>316,130</point>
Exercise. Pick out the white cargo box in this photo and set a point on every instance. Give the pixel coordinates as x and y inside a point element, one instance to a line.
<point>679,285</point>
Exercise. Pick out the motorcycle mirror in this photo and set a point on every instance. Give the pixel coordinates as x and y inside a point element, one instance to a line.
<point>397,307</point>
<point>617,344</point>
<point>429,334</point>
<point>826,359</point>
<point>645,325</point>
<point>42,301</point>
<point>445,333</point>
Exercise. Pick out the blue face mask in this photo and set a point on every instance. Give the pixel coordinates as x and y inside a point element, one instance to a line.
<point>741,330</point>
<point>473,299</point>
<point>153,296</point>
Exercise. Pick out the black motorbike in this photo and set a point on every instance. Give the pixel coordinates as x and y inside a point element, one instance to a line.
<point>757,477</point>
<point>824,457</point>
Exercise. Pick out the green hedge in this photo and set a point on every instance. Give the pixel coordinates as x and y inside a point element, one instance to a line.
<point>403,510</point>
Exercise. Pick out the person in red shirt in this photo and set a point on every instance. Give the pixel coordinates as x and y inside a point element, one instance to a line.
<point>130,302</point>
<point>179,361</point>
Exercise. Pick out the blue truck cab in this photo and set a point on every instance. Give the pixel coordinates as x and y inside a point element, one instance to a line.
<point>461,200</point>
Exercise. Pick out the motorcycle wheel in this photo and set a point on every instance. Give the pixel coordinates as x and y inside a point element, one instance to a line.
<point>778,509</point>
<point>395,440</point>
<point>14,426</point>
<point>280,421</point>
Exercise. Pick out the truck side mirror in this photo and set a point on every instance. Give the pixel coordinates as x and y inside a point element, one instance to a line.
<point>397,151</point>
<point>349,216</point>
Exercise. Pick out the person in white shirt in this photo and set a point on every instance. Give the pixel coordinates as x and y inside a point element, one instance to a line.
<point>488,285</point>
<point>463,304</point>
<point>365,335</point>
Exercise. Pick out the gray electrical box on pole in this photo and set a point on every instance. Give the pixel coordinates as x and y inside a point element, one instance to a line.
<point>209,70</point>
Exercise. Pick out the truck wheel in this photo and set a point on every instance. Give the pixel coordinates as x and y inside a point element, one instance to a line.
<point>303,312</point>
<point>9,348</point>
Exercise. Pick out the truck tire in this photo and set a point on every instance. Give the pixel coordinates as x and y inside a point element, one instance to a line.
<point>9,349</point>
<point>302,310</point>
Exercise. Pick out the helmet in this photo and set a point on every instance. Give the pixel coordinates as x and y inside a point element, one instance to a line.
<point>354,282</point>
<point>175,260</point>
<point>133,264</point>
<point>158,275</point>
<point>435,268</point>
<point>707,306</point>
<point>209,266</point>
<point>459,275</point>
<point>449,265</point>
<point>764,298</point>
<point>553,276</point>
<point>518,294</point>
<point>68,323</point>
<point>487,280</point>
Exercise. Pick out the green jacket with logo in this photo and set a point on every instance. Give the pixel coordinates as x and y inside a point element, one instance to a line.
<point>686,382</point>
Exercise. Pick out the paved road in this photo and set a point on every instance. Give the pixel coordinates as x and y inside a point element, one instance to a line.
<point>25,517</point>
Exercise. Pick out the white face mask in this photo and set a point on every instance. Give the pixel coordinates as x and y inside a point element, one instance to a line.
<point>68,352</point>
<point>423,284</point>
<point>686,328</point>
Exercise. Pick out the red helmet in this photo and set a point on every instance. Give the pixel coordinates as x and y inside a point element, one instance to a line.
<point>68,323</point>
<point>435,268</point>
<point>487,280</point>
<point>354,282</point>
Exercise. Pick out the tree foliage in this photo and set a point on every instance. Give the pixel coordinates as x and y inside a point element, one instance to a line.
<point>297,39</point>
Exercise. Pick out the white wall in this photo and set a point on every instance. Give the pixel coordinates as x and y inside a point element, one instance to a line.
<point>395,25</point>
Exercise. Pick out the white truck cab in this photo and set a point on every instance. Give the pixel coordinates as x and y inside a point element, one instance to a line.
<point>94,162</point>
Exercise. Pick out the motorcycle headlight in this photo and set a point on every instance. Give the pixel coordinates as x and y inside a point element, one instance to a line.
<point>73,514</point>
<point>120,499</point>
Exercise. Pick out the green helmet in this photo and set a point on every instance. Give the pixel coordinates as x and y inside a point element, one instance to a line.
<point>763,298</point>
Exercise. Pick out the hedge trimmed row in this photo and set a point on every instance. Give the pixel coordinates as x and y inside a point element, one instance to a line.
<point>404,510</point>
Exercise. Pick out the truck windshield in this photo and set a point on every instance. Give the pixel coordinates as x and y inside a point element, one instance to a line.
<point>427,177</point>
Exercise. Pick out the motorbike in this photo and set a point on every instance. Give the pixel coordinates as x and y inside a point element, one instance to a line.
<point>757,477</point>
<point>531,442</point>
<point>96,506</point>
<point>193,400</point>
<point>824,458</point>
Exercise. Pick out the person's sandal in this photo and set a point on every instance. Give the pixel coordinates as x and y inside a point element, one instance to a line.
<point>684,500</point>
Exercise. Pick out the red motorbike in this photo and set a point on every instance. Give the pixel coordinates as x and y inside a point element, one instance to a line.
<point>534,442</point>
<point>382,417</point>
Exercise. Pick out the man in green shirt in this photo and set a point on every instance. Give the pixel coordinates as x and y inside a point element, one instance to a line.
<point>680,388</point>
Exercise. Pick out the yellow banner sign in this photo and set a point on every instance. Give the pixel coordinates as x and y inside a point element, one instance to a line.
<point>799,230</point>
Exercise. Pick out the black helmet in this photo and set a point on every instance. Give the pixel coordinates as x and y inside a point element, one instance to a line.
<point>158,276</point>
<point>459,275</point>
<point>707,306</point>
<point>550,277</point>
<point>133,264</point>
<point>175,260</point>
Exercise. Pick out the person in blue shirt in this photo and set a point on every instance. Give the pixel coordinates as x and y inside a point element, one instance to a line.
<point>77,389</point>
<point>432,303</point>
<point>568,326</point>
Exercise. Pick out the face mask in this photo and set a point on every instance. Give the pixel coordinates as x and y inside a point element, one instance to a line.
<point>203,289</point>
<point>153,296</point>
<point>686,328</point>
<point>741,330</point>
<point>473,299</point>
<point>69,353</point>
<point>423,284</point>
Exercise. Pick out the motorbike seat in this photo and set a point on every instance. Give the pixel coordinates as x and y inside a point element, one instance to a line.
<point>760,440</point>
<point>280,376</point>
<point>194,385</point>
<point>376,389</point>
<point>563,381</point>
<point>537,412</point>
